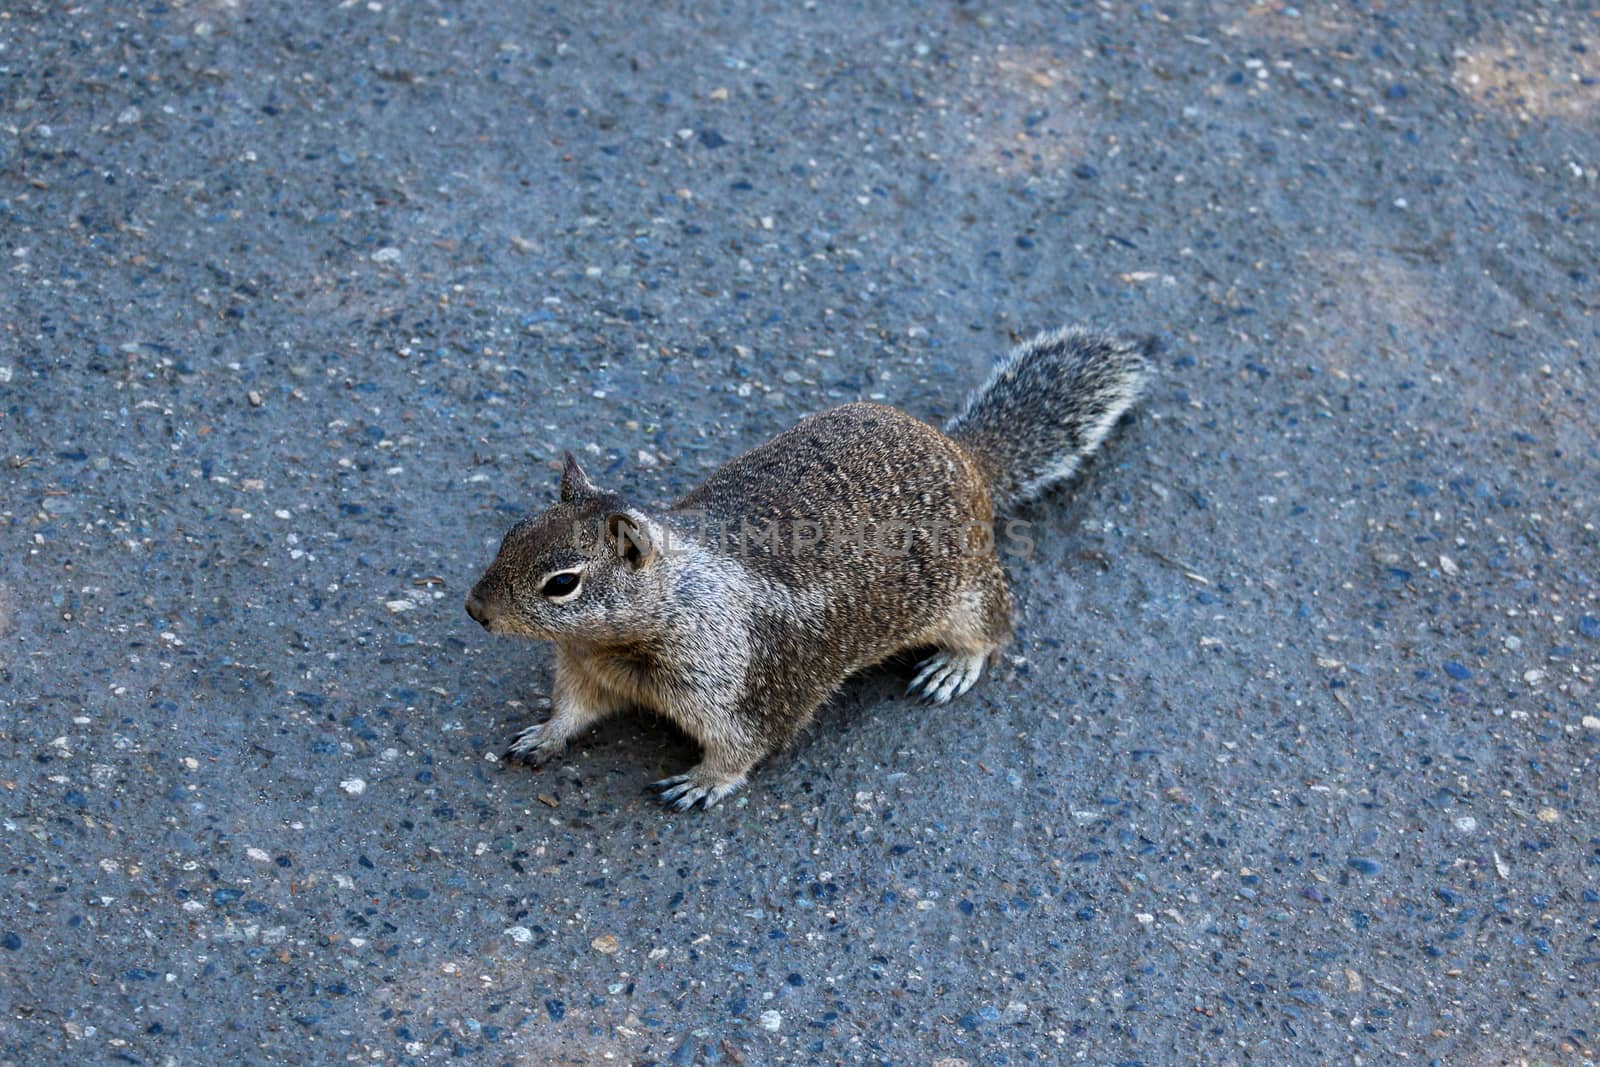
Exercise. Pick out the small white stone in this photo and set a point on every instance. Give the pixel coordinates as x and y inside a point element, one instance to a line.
<point>1145,918</point>
<point>1466,824</point>
<point>520,934</point>
<point>1591,722</point>
<point>398,606</point>
<point>771,1020</point>
<point>354,786</point>
<point>258,854</point>
<point>388,254</point>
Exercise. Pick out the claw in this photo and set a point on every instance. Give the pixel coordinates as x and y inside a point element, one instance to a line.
<point>533,746</point>
<point>944,676</point>
<point>674,792</point>
<point>929,668</point>
<point>682,792</point>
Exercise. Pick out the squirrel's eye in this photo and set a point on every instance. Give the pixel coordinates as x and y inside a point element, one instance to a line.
<point>559,585</point>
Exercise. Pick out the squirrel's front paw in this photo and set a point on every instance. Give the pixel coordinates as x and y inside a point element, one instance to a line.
<point>699,786</point>
<point>535,745</point>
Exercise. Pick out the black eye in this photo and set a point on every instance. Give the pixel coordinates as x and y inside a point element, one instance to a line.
<point>560,584</point>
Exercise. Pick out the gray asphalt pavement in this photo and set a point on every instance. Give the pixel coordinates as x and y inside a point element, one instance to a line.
<point>1294,760</point>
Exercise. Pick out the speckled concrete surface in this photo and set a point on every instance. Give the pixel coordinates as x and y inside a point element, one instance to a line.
<point>1295,760</point>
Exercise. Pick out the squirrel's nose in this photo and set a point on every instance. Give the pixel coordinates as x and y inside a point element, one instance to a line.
<point>475,608</point>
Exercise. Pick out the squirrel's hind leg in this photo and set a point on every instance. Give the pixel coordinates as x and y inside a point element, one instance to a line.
<point>978,625</point>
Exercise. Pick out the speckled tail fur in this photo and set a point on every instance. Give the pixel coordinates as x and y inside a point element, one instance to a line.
<point>1048,405</point>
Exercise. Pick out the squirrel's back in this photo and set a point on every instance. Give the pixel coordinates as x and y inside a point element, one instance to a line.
<point>858,461</point>
<point>862,506</point>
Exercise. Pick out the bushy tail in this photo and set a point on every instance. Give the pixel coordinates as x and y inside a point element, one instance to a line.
<point>1047,405</point>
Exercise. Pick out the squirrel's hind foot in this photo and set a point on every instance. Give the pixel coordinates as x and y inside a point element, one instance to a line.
<point>944,676</point>
<point>698,786</point>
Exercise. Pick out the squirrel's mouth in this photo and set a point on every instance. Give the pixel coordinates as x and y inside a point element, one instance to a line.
<point>518,628</point>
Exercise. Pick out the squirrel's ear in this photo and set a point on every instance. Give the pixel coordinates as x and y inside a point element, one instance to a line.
<point>575,484</point>
<point>631,537</point>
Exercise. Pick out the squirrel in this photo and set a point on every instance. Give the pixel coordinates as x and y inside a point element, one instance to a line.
<point>860,533</point>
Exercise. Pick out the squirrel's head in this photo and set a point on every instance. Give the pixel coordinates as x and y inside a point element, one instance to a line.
<point>583,570</point>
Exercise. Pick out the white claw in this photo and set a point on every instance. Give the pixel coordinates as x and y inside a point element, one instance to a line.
<point>931,667</point>
<point>683,791</point>
<point>535,744</point>
<point>944,676</point>
<point>676,791</point>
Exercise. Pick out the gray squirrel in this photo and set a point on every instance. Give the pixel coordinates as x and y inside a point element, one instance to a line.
<point>859,533</point>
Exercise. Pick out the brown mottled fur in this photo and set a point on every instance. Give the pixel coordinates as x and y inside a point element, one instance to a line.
<point>842,541</point>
